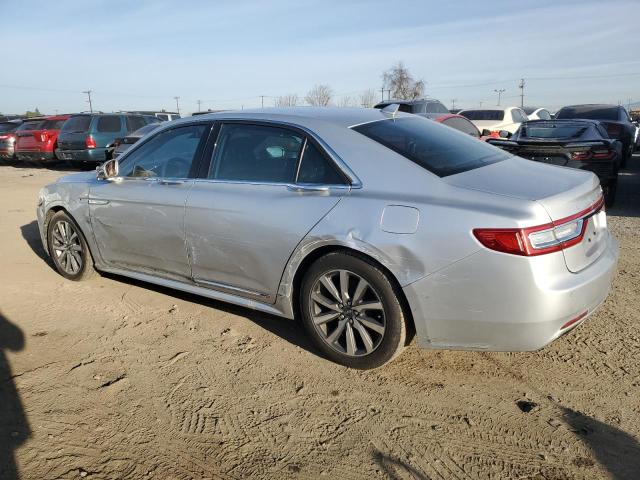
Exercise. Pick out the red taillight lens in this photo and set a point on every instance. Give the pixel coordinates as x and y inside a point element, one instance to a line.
<point>593,155</point>
<point>604,155</point>
<point>541,239</point>
<point>90,142</point>
<point>581,155</point>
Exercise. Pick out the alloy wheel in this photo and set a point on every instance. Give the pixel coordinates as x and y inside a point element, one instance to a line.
<point>67,247</point>
<point>347,313</point>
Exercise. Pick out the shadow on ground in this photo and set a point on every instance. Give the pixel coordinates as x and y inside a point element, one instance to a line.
<point>14,427</point>
<point>396,469</point>
<point>31,235</point>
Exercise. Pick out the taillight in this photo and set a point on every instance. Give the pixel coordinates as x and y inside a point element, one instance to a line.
<point>593,155</point>
<point>90,142</point>
<point>541,239</point>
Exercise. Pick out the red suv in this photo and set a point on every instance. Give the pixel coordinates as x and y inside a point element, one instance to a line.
<point>36,138</point>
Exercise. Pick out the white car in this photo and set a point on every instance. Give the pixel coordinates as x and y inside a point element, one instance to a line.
<point>535,113</point>
<point>496,119</point>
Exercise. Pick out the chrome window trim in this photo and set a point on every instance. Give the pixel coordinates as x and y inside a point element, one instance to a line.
<point>333,186</point>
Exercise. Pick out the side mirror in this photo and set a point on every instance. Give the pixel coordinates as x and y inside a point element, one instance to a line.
<point>107,170</point>
<point>504,134</point>
<point>486,132</point>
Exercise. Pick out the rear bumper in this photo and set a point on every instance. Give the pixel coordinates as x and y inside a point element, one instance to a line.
<point>93,155</point>
<point>33,155</point>
<point>498,302</point>
<point>6,152</point>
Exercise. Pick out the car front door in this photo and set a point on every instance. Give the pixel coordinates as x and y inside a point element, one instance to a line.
<point>138,218</point>
<point>265,188</point>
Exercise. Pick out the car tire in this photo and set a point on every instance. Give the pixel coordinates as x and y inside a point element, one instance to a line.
<point>609,192</point>
<point>68,248</point>
<point>628,153</point>
<point>348,327</point>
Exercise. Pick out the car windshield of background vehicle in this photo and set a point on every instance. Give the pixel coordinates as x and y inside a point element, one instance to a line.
<point>29,126</point>
<point>552,130</point>
<point>78,124</point>
<point>483,114</point>
<point>436,107</point>
<point>589,113</point>
<point>52,124</point>
<point>443,151</point>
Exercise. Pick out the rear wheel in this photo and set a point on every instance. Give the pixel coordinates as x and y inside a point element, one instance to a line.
<point>352,311</point>
<point>68,248</point>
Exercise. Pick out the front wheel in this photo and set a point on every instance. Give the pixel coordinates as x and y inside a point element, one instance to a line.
<point>352,311</point>
<point>68,248</point>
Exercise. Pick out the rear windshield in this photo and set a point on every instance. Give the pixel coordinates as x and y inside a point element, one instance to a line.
<point>79,124</point>
<point>7,127</point>
<point>53,124</point>
<point>591,113</point>
<point>439,149</point>
<point>436,107</point>
<point>483,114</point>
<point>553,130</point>
<point>30,126</point>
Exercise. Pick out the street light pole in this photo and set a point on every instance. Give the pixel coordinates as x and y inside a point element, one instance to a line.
<point>499,92</point>
<point>88,92</point>
<point>177,105</point>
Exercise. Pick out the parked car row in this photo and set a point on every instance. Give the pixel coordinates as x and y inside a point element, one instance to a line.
<point>79,138</point>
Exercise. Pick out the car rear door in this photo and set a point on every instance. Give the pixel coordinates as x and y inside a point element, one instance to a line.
<point>138,218</point>
<point>265,188</point>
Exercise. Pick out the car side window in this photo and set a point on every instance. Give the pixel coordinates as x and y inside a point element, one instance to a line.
<point>168,154</point>
<point>109,124</point>
<point>316,168</point>
<point>256,153</point>
<point>134,123</point>
<point>463,125</point>
<point>544,115</point>
<point>517,116</point>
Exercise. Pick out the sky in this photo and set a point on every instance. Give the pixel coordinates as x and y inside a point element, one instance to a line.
<point>140,55</point>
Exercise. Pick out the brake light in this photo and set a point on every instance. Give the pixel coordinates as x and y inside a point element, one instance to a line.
<point>586,155</point>
<point>539,240</point>
<point>90,142</point>
<point>604,155</point>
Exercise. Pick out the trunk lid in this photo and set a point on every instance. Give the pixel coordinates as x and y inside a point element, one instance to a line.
<point>563,192</point>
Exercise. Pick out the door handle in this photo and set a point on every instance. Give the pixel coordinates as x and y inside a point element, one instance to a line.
<point>170,182</point>
<point>95,201</point>
<point>308,188</point>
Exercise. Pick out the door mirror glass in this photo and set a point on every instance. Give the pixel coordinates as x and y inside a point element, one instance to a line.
<point>504,134</point>
<point>108,169</point>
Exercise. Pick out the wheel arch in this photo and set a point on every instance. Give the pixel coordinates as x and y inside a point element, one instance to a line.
<point>51,211</point>
<point>312,256</point>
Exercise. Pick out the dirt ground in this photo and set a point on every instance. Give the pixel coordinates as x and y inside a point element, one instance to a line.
<point>112,378</point>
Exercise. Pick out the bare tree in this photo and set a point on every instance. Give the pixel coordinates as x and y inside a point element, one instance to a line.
<point>348,101</point>
<point>290,100</point>
<point>368,98</point>
<point>319,96</point>
<point>398,79</point>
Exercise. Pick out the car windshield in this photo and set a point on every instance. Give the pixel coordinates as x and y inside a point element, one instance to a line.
<point>34,125</point>
<point>553,130</point>
<point>483,114</point>
<point>7,127</point>
<point>592,113</point>
<point>439,149</point>
<point>77,124</point>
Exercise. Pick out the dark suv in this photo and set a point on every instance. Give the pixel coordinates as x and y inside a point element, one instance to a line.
<point>425,107</point>
<point>89,137</point>
<point>615,120</point>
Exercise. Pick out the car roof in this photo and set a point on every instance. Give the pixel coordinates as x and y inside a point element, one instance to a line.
<point>408,102</point>
<point>307,116</point>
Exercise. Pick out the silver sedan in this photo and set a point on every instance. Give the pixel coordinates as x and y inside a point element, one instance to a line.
<point>369,226</point>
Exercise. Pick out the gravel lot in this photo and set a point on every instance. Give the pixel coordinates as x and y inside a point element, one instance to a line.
<point>113,378</point>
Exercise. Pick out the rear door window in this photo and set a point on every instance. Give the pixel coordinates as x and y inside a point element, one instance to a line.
<point>78,124</point>
<point>316,168</point>
<point>256,153</point>
<point>53,124</point>
<point>439,150</point>
<point>109,124</point>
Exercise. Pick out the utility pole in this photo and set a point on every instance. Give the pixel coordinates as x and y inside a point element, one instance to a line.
<point>499,92</point>
<point>628,104</point>
<point>177,104</point>
<point>382,94</point>
<point>453,103</point>
<point>480,103</point>
<point>199,103</point>
<point>262,101</point>
<point>88,92</point>
<point>389,94</point>
<point>521,87</point>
